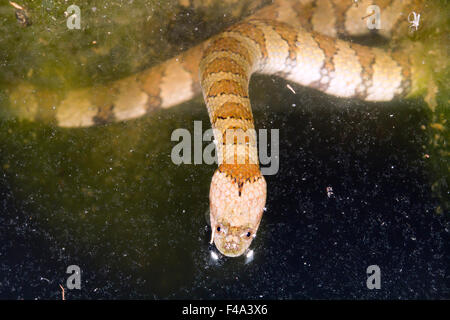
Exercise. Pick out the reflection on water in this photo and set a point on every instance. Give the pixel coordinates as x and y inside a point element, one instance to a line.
<point>109,199</point>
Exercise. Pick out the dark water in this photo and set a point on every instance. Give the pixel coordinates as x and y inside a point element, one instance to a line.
<point>148,237</point>
<point>109,200</point>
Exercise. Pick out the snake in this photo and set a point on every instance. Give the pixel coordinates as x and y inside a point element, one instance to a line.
<point>299,41</point>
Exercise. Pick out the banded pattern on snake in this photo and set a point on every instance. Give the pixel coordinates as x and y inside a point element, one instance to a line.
<point>221,68</point>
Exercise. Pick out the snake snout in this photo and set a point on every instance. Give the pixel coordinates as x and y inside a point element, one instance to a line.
<point>232,243</point>
<point>232,248</point>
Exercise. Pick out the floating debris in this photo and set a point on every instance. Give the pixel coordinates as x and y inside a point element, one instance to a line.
<point>414,20</point>
<point>214,255</point>
<point>249,256</point>
<point>23,17</point>
<point>63,297</point>
<point>290,88</point>
<point>369,15</point>
<point>330,192</point>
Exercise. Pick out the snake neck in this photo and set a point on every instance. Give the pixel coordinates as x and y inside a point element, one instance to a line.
<point>333,66</point>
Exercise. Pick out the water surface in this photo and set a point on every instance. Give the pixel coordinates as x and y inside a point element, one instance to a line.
<point>109,199</point>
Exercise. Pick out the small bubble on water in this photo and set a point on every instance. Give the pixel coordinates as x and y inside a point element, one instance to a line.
<point>249,256</point>
<point>214,255</point>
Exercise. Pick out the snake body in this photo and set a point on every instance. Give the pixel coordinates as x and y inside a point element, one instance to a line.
<point>238,190</point>
<point>304,51</point>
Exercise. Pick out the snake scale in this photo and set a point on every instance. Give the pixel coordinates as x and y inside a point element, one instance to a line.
<point>295,40</point>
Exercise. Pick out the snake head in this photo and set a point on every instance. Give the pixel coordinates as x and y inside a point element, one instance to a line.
<point>236,208</point>
<point>232,241</point>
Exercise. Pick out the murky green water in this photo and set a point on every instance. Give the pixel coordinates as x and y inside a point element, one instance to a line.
<point>110,198</point>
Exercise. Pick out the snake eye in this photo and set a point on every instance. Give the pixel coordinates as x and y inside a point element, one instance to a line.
<point>218,229</point>
<point>248,234</point>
